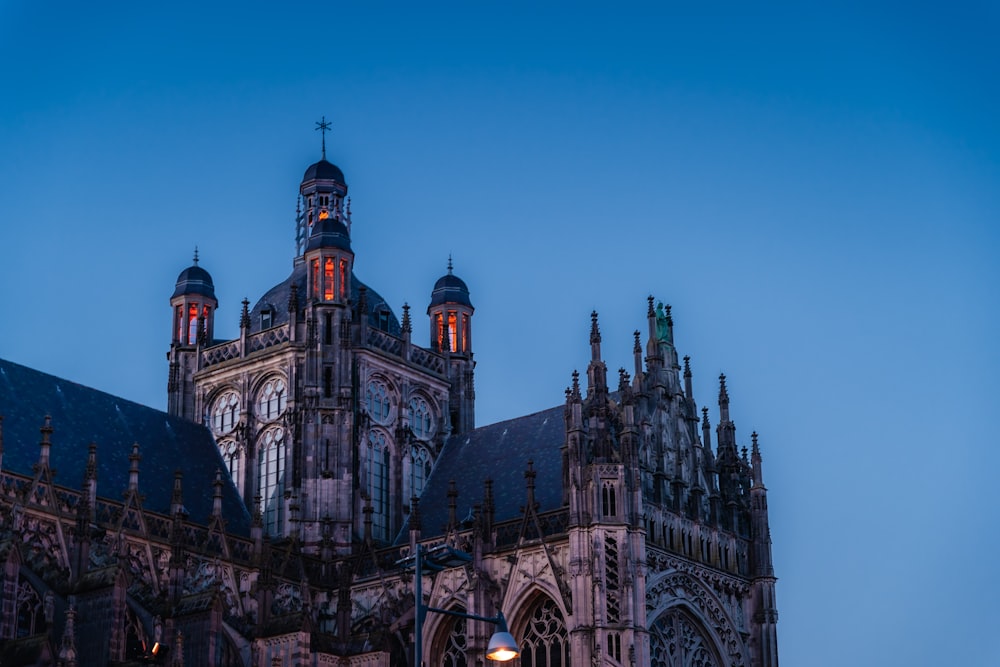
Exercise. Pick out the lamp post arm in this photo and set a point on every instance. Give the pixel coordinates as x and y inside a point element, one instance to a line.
<point>497,620</point>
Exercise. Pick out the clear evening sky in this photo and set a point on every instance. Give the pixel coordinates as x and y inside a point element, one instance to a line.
<point>815,191</point>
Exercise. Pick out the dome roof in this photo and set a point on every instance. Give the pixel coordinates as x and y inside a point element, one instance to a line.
<point>450,289</point>
<point>194,280</point>
<point>276,300</point>
<point>329,233</point>
<point>324,171</point>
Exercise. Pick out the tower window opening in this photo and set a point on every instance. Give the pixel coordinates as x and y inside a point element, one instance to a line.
<point>265,319</point>
<point>315,279</point>
<point>439,332</point>
<point>608,500</point>
<point>179,323</point>
<point>328,328</point>
<point>452,331</point>
<point>328,280</point>
<point>383,320</point>
<point>327,382</point>
<point>343,279</point>
<point>192,324</point>
<point>465,332</point>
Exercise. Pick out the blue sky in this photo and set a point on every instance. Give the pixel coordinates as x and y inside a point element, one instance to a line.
<point>815,191</point>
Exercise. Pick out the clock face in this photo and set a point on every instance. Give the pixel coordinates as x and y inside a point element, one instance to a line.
<point>271,400</point>
<point>226,413</point>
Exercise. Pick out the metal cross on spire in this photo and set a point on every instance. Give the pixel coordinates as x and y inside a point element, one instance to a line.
<point>322,125</point>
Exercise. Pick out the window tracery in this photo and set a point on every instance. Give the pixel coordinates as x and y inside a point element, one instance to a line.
<point>232,454</point>
<point>378,483</point>
<point>30,611</point>
<point>271,402</point>
<point>379,401</point>
<point>545,642</point>
<point>270,481</point>
<point>226,413</point>
<point>454,652</point>
<point>675,640</point>
<point>418,468</point>
<point>420,418</point>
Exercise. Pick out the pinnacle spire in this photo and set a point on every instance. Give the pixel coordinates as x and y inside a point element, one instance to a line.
<point>450,266</point>
<point>196,255</point>
<point>245,315</point>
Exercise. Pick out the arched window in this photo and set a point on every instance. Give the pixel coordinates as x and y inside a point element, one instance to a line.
<point>226,413</point>
<point>420,418</point>
<point>676,639</point>
<point>232,454</point>
<point>454,650</point>
<point>418,469</point>
<point>379,402</point>
<point>378,483</point>
<point>545,642</point>
<point>271,402</point>
<point>30,611</point>
<point>270,480</point>
<point>609,504</point>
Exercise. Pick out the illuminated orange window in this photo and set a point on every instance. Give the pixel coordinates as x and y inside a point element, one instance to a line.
<point>328,280</point>
<point>343,279</point>
<point>179,322</point>
<point>315,278</point>
<point>465,332</point>
<point>452,330</point>
<point>204,316</point>
<point>192,324</point>
<point>439,328</point>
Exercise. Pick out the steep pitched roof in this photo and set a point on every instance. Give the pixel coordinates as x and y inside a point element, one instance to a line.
<point>81,415</point>
<point>499,452</point>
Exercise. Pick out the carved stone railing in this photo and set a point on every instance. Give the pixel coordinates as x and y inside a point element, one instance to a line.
<point>219,353</point>
<point>388,343</point>
<point>268,338</point>
<point>427,360</point>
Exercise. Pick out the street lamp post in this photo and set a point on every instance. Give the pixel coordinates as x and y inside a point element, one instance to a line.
<point>502,646</point>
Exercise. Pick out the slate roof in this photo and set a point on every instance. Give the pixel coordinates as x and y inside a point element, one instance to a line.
<point>81,415</point>
<point>499,452</point>
<point>276,299</point>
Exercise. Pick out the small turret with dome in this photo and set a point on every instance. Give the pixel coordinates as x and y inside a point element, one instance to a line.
<point>194,304</point>
<point>322,195</point>
<point>450,312</point>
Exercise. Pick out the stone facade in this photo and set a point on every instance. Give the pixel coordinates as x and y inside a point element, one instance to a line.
<point>622,536</point>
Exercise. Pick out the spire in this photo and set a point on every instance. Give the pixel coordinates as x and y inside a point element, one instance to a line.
<point>322,125</point>
<point>595,337</point>
<point>196,255</point>
<point>450,266</point>
<point>529,483</point>
<point>46,444</point>
<point>637,354</point>
<point>755,461</point>
<point>245,314</point>
<point>67,652</point>
<point>687,378</point>
<point>406,326</point>
<point>723,399</point>
<point>217,493</point>
<point>452,505</point>
<point>177,498</point>
<point>133,468</point>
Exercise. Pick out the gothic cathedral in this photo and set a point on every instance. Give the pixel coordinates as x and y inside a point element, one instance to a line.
<point>319,449</point>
